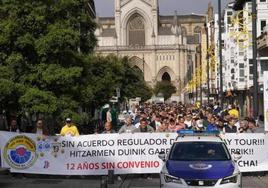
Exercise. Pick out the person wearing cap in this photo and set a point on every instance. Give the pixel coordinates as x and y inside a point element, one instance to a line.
<point>69,129</point>
<point>233,112</point>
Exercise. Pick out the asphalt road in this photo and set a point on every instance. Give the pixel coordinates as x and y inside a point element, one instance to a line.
<point>130,181</point>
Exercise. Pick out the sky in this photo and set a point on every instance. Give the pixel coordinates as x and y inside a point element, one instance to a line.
<point>167,7</point>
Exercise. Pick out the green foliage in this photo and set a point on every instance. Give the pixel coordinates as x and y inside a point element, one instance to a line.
<point>9,94</point>
<point>42,48</point>
<point>166,88</point>
<point>133,84</point>
<point>36,101</point>
<point>47,66</point>
<point>108,73</point>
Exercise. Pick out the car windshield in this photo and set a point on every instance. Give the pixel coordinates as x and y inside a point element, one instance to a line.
<point>199,151</point>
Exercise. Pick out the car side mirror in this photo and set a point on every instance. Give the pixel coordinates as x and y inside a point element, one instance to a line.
<point>162,155</point>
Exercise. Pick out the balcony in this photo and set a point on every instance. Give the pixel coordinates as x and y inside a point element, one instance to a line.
<point>262,44</point>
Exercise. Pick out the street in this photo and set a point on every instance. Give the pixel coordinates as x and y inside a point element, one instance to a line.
<point>130,181</point>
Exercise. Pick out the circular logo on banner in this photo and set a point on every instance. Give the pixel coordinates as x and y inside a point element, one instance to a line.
<point>20,152</point>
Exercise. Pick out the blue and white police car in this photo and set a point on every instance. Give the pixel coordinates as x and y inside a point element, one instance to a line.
<point>199,160</point>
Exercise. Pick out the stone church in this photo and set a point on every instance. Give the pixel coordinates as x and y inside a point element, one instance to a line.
<point>162,47</point>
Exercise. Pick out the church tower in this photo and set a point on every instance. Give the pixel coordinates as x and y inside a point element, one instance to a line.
<point>136,22</point>
<point>162,47</point>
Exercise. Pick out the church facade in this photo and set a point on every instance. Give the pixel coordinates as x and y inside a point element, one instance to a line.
<point>162,47</point>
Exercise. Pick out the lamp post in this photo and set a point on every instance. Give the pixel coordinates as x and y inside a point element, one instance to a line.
<point>254,59</point>
<point>208,84</point>
<point>143,62</point>
<point>220,53</point>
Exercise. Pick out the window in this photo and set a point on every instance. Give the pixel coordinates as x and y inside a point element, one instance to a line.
<point>264,66</point>
<point>183,31</point>
<point>229,22</point>
<point>199,151</point>
<point>263,24</point>
<point>197,34</point>
<point>232,52</point>
<point>241,73</point>
<point>166,77</point>
<point>229,17</point>
<point>262,1</point>
<point>249,6</point>
<point>136,30</point>
<point>241,65</point>
<point>250,66</point>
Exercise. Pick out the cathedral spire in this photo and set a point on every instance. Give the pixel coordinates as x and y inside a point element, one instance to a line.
<point>155,4</point>
<point>176,28</point>
<point>117,4</point>
<point>175,19</point>
<point>153,33</point>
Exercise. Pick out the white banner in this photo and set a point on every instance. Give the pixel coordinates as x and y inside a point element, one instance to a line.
<point>265,98</point>
<point>124,153</point>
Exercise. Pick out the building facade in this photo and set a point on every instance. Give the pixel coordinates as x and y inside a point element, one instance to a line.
<point>162,47</point>
<point>237,53</point>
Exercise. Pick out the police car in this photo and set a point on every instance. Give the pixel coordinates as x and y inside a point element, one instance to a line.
<point>199,160</point>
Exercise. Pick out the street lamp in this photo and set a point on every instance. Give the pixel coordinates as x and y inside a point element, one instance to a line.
<point>143,62</point>
<point>254,59</point>
<point>208,86</point>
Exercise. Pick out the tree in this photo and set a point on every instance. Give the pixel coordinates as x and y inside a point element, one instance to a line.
<point>133,84</point>
<point>47,63</point>
<point>166,88</point>
<point>42,49</point>
<point>101,76</point>
<point>104,74</point>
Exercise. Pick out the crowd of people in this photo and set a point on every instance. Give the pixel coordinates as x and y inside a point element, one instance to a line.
<point>163,118</point>
<point>174,117</point>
